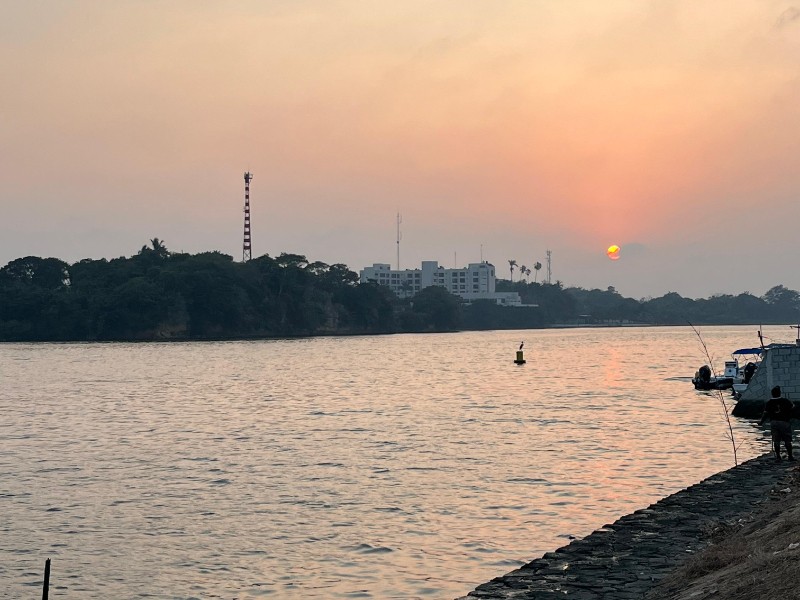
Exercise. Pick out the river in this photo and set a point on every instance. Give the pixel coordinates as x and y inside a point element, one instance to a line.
<point>403,466</point>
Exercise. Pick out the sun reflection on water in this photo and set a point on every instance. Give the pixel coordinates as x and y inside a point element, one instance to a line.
<point>386,467</point>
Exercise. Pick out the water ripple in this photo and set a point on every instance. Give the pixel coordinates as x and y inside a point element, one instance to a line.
<point>403,466</point>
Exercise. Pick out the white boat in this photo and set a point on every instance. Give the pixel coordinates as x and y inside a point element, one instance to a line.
<point>751,358</point>
<point>704,379</point>
<point>736,375</point>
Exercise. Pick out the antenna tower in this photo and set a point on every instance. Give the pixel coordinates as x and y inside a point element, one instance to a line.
<point>247,253</point>
<point>399,237</point>
<point>549,271</point>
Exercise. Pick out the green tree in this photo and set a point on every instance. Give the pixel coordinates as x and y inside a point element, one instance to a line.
<point>46,273</point>
<point>537,267</point>
<point>511,265</point>
<point>439,309</point>
<point>605,305</point>
<point>670,309</point>
<point>369,308</point>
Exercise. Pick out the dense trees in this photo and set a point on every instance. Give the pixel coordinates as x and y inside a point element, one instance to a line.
<point>157,294</point>
<point>559,305</point>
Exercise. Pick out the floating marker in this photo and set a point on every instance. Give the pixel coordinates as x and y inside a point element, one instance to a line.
<point>520,360</point>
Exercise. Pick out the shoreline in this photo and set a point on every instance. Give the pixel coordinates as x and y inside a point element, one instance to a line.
<point>627,559</point>
<point>307,336</point>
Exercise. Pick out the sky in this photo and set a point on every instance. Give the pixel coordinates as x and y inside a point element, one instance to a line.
<point>499,129</point>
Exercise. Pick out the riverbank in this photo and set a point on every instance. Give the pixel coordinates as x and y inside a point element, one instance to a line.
<point>755,557</point>
<point>740,509</point>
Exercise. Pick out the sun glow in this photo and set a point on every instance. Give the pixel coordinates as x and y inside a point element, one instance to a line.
<point>613,252</point>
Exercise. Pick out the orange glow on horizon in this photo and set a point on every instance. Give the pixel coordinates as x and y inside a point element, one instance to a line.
<point>560,125</point>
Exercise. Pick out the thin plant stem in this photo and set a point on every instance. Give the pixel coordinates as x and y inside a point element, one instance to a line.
<point>720,396</point>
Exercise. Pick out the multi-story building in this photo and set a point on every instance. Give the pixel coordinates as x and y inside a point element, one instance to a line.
<point>475,282</point>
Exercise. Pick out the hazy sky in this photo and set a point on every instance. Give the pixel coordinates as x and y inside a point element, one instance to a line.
<point>671,128</point>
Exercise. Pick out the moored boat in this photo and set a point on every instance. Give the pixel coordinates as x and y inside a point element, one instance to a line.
<point>704,379</point>
<point>753,359</point>
<point>736,376</point>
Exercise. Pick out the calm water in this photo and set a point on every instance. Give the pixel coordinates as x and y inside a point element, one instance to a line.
<point>409,466</point>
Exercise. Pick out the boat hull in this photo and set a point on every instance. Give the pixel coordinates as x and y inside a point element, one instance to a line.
<point>715,383</point>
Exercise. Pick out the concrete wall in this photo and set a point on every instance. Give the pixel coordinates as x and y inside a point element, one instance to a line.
<point>780,366</point>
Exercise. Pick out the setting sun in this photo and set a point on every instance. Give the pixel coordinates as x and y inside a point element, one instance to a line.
<point>613,252</point>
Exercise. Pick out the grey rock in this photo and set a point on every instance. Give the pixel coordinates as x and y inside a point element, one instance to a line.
<point>625,559</point>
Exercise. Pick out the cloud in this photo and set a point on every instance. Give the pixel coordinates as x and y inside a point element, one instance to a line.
<point>788,16</point>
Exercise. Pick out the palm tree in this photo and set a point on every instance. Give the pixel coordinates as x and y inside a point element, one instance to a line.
<point>159,248</point>
<point>522,270</point>
<point>511,264</point>
<point>537,267</point>
<point>527,273</point>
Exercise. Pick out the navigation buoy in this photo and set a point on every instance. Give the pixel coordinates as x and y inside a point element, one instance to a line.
<point>520,360</point>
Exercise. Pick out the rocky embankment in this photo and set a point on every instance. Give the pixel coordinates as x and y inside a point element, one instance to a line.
<point>628,558</point>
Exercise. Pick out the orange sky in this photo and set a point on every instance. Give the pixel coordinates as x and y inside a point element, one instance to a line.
<point>669,128</point>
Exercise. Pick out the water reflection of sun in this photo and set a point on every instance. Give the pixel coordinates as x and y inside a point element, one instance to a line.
<point>612,371</point>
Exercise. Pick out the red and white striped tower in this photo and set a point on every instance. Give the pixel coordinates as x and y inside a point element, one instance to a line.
<point>247,252</point>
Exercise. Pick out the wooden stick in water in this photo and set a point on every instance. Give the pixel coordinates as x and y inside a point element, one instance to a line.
<point>46,588</point>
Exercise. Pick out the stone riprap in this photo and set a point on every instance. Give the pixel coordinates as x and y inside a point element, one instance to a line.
<point>626,559</point>
<point>780,366</point>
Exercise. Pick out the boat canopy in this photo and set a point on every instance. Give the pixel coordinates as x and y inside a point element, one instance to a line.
<point>748,351</point>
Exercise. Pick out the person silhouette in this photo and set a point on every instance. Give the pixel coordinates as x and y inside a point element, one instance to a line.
<point>779,412</point>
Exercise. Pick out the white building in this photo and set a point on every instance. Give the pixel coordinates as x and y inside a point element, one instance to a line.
<point>475,282</point>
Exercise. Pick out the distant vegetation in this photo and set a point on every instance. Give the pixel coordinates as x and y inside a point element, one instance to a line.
<point>157,294</point>
<point>569,305</point>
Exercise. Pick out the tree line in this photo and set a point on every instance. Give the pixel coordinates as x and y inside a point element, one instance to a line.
<point>157,294</point>
<point>578,305</point>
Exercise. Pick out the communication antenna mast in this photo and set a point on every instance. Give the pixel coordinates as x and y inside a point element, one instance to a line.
<point>247,253</point>
<point>549,270</point>
<point>399,237</point>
